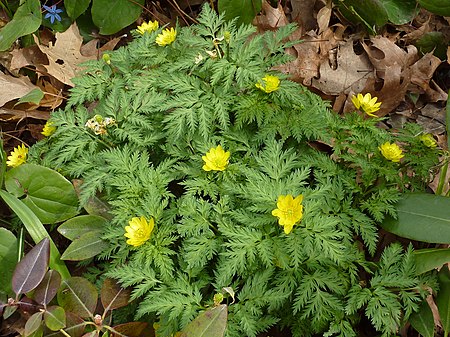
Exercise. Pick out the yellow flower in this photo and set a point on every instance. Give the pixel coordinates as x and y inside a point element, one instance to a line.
<point>289,211</point>
<point>428,140</point>
<point>391,152</point>
<point>216,159</point>
<point>48,129</point>
<point>166,37</point>
<point>271,83</point>
<point>366,103</point>
<point>139,231</point>
<point>18,156</point>
<point>148,27</point>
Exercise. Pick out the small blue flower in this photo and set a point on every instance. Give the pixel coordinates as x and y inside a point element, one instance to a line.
<point>52,13</point>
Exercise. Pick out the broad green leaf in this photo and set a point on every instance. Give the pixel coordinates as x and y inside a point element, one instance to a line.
<point>440,7</point>
<point>75,8</point>
<point>134,329</point>
<point>429,259</point>
<point>31,269</point>
<point>33,323</point>
<point>78,295</point>
<point>211,323</point>
<point>86,246</point>
<point>113,296</point>
<point>38,333</point>
<point>443,298</point>
<point>26,20</point>
<point>8,259</point>
<point>113,15</point>
<point>371,13</point>
<point>434,42</point>
<point>400,12</point>
<point>244,10</point>
<point>423,320</point>
<point>55,318</point>
<point>34,96</point>
<point>94,205</point>
<point>421,217</point>
<point>80,225</point>
<point>46,192</point>
<point>74,327</point>
<point>48,288</point>
<point>36,230</point>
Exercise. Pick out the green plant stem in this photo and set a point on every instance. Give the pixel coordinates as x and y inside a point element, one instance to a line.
<point>64,333</point>
<point>20,248</point>
<point>442,180</point>
<point>447,119</point>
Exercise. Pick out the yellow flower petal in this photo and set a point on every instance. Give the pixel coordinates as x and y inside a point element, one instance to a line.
<point>148,27</point>
<point>48,129</point>
<point>428,140</point>
<point>366,103</point>
<point>166,37</point>
<point>18,156</point>
<point>216,159</point>
<point>289,211</point>
<point>270,83</point>
<point>391,152</point>
<point>139,230</point>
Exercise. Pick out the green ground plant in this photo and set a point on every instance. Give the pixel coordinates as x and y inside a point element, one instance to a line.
<point>220,173</point>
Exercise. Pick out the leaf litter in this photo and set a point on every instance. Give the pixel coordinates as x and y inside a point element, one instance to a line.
<point>333,59</point>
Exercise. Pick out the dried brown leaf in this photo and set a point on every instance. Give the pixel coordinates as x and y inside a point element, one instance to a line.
<point>271,18</point>
<point>307,58</point>
<point>324,16</point>
<point>303,13</point>
<point>421,78</point>
<point>27,56</point>
<point>90,49</point>
<point>65,56</point>
<point>14,87</point>
<point>383,53</point>
<point>14,115</point>
<point>53,97</point>
<point>349,72</point>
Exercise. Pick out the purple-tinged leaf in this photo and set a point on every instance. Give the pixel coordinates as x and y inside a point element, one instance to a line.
<point>48,288</point>
<point>113,296</point>
<point>31,269</point>
<point>33,323</point>
<point>91,334</point>
<point>211,323</point>
<point>133,329</point>
<point>79,296</point>
<point>55,318</point>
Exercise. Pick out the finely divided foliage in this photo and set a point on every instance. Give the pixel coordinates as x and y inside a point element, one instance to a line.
<point>171,105</point>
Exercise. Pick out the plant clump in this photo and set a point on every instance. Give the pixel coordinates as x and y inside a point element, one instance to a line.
<point>224,174</point>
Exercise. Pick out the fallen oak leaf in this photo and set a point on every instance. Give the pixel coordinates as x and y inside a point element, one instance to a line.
<point>271,18</point>
<point>421,78</point>
<point>65,56</point>
<point>8,115</point>
<point>350,75</point>
<point>29,56</point>
<point>14,87</point>
<point>90,49</point>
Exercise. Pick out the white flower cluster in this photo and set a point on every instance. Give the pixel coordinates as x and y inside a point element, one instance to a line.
<point>98,124</point>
